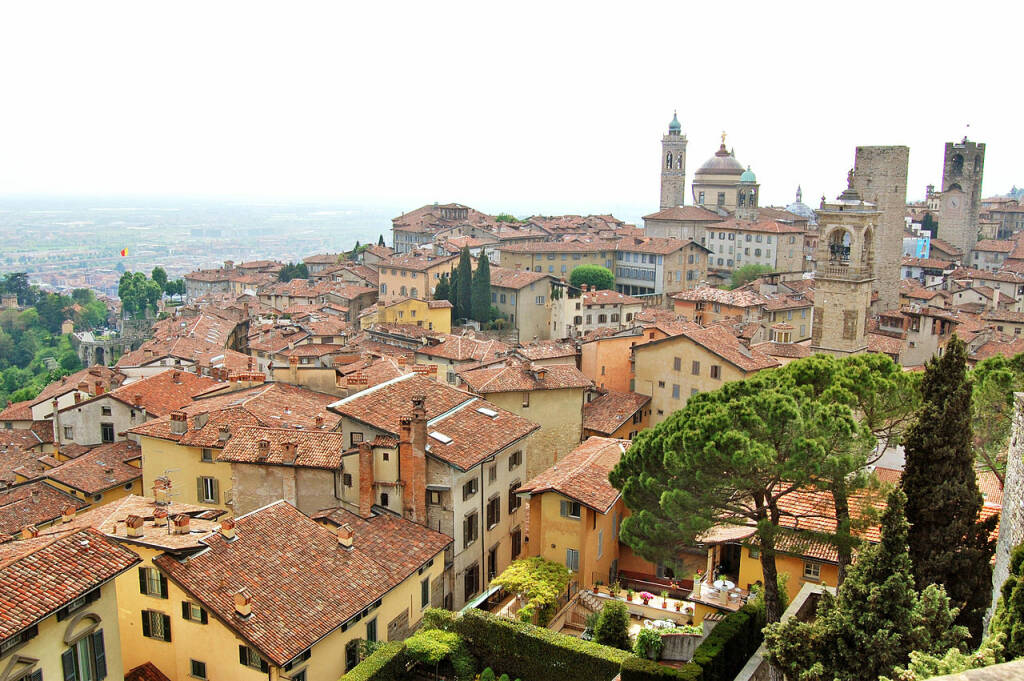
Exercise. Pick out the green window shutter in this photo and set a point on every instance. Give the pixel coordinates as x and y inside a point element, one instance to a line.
<point>199,490</point>
<point>163,586</point>
<point>37,675</point>
<point>67,661</point>
<point>203,618</point>
<point>264,666</point>
<point>185,611</point>
<point>241,655</point>
<point>216,490</point>
<point>142,580</point>
<point>563,508</point>
<point>99,655</point>
<point>145,624</point>
<point>167,627</point>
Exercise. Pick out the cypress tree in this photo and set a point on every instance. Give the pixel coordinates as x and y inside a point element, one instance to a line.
<point>948,544</point>
<point>463,285</point>
<point>482,290</point>
<point>443,290</point>
<point>380,240</point>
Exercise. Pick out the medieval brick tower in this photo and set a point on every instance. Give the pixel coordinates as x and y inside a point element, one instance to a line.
<point>844,278</point>
<point>673,165</point>
<point>880,177</point>
<point>963,167</point>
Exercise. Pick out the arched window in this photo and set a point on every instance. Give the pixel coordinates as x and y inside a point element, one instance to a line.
<point>402,291</point>
<point>839,246</point>
<point>679,162</point>
<point>668,161</point>
<point>413,292</point>
<point>958,165</point>
<point>741,198</point>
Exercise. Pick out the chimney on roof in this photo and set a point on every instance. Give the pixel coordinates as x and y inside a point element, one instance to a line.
<point>67,514</point>
<point>366,479</point>
<point>160,517</point>
<point>251,364</point>
<point>293,370</point>
<point>133,526</point>
<point>243,603</point>
<point>263,449</point>
<point>413,463</point>
<point>176,377</point>
<point>227,529</point>
<point>29,532</point>
<point>100,388</point>
<point>224,434</point>
<point>162,491</point>
<point>35,496</point>
<point>137,399</point>
<point>83,386</point>
<point>78,398</point>
<point>180,524</point>
<point>539,372</point>
<point>318,421</point>
<point>345,536</point>
<point>179,423</point>
<point>288,450</point>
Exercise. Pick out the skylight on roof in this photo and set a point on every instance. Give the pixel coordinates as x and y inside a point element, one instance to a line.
<point>440,437</point>
<point>488,412</point>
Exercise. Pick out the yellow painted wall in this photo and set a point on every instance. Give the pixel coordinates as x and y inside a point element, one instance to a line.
<point>183,465</point>
<point>551,535</point>
<point>560,416</point>
<point>48,645</point>
<point>553,265</point>
<point>750,571</point>
<point>416,312</point>
<point>112,494</point>
<point>391,280</point>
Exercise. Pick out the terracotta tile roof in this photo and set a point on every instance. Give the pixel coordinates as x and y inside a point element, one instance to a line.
<point>886,345</point>
<point>605,414</point>
<point>109,377</point>
<point>650,244</point>
<point>1004,316</point>
<point>314,449</point>
<point>946,247</point>
<point>277,339</point>
<point>608,297</point>
<point>685,214</point>
<point>145,672</point>
<point>1005,348</point>
<point>578,246</point>
<point>725,344</point>
<point>100,469</point>
<point>474,435</point>
<point>414,262</point>
<point>514,376</point>
<point>382,406</point>
<point>787,350</point>
<point>928,263</point>
<point>781,301</point>
<point>769,226</point>
<point>583,474</point>
<point>314,350</point>
<point>736,298</point>
<point>17,411</point>
<point>506,277</point>
<point>38,576</point>
<point>160,393</point>
<point>324,258</point>
<point>549,349</point>
<point>463,348</point>
<point>303,585</point>
<point>270,404</point>
<point>995,245</point>
<point>32,503</point>
<point>375,369</point>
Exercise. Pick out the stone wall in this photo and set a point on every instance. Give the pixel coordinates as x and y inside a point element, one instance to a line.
<point>880,177</point>
<point>1011,521</point>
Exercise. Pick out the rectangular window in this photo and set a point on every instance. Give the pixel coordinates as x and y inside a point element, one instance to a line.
<point>207,455</point>
<point>675,391</point>
<point>695,368</point>
<point>156,625</point>
<point>152,582</point>
<point>472,581</point>
<point>572,560</point>
<point>355,438</point>
<point>371,630</point>
<point>19,638</point>
<point>470,529</point>
<point>193,612</point>
<point>514,500</point>
<point>208,490</point>
<point>812,571</point>
<point>470,488</point>
<point>425,593</point>
<point>84,660</point>
<point>198,670</point>
<point>493,511</point>
<point>570,509</point>
<point>69,432</point>
<point>346,479</point>
<point>250,658</point>
<point>716,371</point>
<point>600,543</point>
<point>539,300</point>
<point>70,608</point>
<point>104,411</point>
<point>515,460</point>
<point>492,473</point>
<point>517,542</point>
<point>107,432</point>
<point>677,363</point>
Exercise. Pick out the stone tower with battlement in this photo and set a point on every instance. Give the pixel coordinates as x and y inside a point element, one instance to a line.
<point>880,177</point>
<point>963,166</point>
<point>845,273</point>
<point>673,165</point>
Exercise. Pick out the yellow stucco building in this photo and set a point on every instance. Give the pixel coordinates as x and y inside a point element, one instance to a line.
<point>433,315</point>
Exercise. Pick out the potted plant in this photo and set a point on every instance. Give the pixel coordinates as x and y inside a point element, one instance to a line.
<point>597,586</point>
<point>679,605</point>
<point>648,644</point>
<point>630,593</point>
<point>664,599</point>
<point>646,597</point>
<point>615,590</point>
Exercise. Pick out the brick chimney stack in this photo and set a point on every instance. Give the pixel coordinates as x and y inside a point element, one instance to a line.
<point>29,532</point>
<point>227,529</point>
<point>263,450</point>
<point>162,491</point>
<point>133,526</point>
<point>293,370</point>
<point>176,377</point>
<point>179,423</point>
<point>180,524</point>
<point>366,479</point>
<point>345,536</point>
<point>160,517</point>
<point>288,452</point>
<point>67,514</point>
<point>243,603</point>
<point>412,460</point>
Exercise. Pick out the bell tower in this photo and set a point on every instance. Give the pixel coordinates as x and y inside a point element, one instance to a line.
<point>963,166</point>
<point>845,273</point>
<point>673,165</point>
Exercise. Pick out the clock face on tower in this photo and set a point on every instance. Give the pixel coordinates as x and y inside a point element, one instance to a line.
<point>954,202</point>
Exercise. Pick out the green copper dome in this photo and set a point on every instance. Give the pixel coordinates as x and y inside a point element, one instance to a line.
<point>748,176</point>
<point>674,126</point>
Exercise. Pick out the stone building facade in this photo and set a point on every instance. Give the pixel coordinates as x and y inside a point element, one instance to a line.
<point>673,166</point>
<point>963,167</point>
<point>880,177</point>
<point>1011,521</point>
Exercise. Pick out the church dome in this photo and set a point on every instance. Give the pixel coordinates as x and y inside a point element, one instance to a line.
<point>674,126</point>
<point>722,163</point>
<point>748,176</point>
<point>800,208</point>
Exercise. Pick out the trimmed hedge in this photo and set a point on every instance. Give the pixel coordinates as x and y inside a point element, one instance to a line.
<point>387,663</point>
<point>639,669</point>
<point>730,644</point>
<point>533,653</point>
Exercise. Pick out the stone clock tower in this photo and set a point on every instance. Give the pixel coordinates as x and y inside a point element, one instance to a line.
<point>963,167</point>
<point>673,165</point>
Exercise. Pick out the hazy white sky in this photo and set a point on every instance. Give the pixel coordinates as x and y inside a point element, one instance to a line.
<point>524,106</point>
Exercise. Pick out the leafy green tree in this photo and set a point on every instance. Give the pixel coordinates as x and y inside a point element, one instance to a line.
<point>874,622</point>
<point>994,381</point>
<point>540,581</point>
<point>462,282</point>
<point>481,287</point>
<point>748,273</point>
<point>1008,619</point>
<point>949,545</point>
<point>138,294</point>
<point>443,289</point>
<point>594,276</point>
<point>159,275</point>
<point>930,224</point>
<point>729,458</point>
<point>613,626</point>
<point>507,217</point>
<point>17,283</point>
<point>52,309</point>
<point>356,250</point>
<point>925,666</point>
<point>293,271</point>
